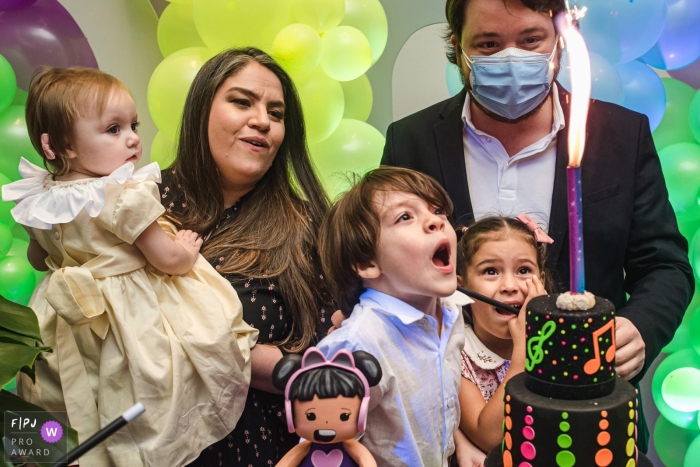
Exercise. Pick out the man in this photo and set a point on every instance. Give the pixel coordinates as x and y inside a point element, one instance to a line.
<point>499,147</point>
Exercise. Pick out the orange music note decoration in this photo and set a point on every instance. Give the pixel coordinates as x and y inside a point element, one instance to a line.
<point>593,365</point>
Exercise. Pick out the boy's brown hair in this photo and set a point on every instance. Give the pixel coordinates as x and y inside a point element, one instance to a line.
<point>57,98</point>
<point>350,232</point>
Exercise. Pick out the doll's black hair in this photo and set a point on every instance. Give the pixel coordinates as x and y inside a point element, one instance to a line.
<point>326,382</point>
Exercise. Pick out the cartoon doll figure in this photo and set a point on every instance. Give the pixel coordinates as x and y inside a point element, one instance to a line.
<point>326,404</point>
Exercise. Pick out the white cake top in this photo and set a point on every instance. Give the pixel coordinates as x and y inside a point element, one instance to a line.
<point>575,301</point>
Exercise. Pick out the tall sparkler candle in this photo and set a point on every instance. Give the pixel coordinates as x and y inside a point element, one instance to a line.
<point>580,94</point>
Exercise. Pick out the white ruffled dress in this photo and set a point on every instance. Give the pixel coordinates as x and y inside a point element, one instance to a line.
<point>123,332</point>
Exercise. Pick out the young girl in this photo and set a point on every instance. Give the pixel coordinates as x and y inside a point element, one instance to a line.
<point>502,258</point>
<point>131,310</point>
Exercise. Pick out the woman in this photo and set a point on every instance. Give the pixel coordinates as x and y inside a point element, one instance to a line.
<point>243,180</point>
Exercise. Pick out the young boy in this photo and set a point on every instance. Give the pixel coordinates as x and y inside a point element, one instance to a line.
<point>389,252</point>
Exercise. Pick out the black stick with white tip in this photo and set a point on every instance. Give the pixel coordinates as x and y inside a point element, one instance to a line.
<point>490,301</point>
<point>101,435</point>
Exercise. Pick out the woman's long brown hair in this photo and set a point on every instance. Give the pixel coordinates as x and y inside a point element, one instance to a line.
<point>274,234</point>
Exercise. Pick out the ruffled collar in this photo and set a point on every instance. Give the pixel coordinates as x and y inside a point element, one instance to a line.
<point>43,201</point>
<point>478,352</point>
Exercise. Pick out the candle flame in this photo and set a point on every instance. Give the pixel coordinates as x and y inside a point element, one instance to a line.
<point>580,65</point>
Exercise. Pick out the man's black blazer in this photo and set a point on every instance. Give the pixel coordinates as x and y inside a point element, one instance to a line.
<point>631,240</point>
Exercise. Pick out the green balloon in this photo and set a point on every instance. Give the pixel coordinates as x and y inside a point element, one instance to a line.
<point>8,83</point>
<point>169,85</point>
<point>694,116</point>
<point>694,332</point>
<point>687,358</point>
<point>680,389</point>
<point>181,2</point>
<point>5,239</point>
<point>16,277</point>
<point>692,454</point>
<point>176,29</point>
<point>681,167</point>
<point>14,142</point>
<point>354,148</point>
<point>358,98</point>
<point>20,97</point>
<point>680,341</point>
<point>240,23</point>
<point>323,103</point>
<point>346,53</point>
<point>297,48</point>
<point>19,233</point>
<point>19,248</point>
<point>671,442</point>
<point>163,151</point>
<point>674,126</point>
<point>322,15</point>
<point>5,208</point>
<point>369,17</point>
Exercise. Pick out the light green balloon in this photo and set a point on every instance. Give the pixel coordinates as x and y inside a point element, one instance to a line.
<point>5,208</point>
<point>674,127</point>
<point>297,48</point>
<point>322,15</point>
<point>14,142</point>
<point>358,98</point>
<point>354,148</point>
<point>680,389</point>
<point>176,29</point>
<point>8,83</point>
<point>346,53</point>
<point>323,103</point>
<point>681,167</point>
<point>5,239</point>
<point>169,85</point>
<point>694,116</point>
<point>16,277</point>
<point>240,23</point>
<point>694,255</point>
<point>369,17</point>
<point>181,2</point>
<point>671,442</point>
<point>687,358</point>
<point>163,151</point>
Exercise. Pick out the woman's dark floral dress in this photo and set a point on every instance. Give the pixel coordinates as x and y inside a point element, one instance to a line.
<point>261,437</point>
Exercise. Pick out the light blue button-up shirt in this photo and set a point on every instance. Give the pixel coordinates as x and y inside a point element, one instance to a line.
<point>414,410</point>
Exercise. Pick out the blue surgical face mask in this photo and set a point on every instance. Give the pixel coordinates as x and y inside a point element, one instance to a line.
<point>512,82</point>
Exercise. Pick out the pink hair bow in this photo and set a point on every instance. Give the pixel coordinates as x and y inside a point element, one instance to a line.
<point>534,227</point>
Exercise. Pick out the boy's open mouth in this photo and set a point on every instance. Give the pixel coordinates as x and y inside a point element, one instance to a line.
<point>441,257</point>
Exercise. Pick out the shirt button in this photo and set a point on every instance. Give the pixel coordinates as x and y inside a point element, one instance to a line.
<point>488,139</point>
<point>57,235</point>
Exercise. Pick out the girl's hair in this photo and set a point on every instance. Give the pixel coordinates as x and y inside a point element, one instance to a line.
<point>326,383</point>
<point>274,234</point>
<point>57,98</point>
<point>497,228</point>
<point>350,233</point>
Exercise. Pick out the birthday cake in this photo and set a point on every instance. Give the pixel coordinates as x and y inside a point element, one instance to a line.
<point>569,408</point>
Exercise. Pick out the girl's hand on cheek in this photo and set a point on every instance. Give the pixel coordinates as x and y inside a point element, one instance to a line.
<point>535,288</point>
<point>516,327</point>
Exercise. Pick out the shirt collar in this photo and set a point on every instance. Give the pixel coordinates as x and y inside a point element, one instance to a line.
<point>392,306</point>
<point>478,352</point>
<point>557,122</point>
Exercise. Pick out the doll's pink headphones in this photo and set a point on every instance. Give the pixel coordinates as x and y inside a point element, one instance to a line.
<point>313,358</point>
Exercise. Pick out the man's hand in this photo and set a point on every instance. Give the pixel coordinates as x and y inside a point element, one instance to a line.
<point>629,356</point>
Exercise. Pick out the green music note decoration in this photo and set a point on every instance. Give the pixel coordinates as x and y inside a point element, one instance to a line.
<point>535,355</point>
